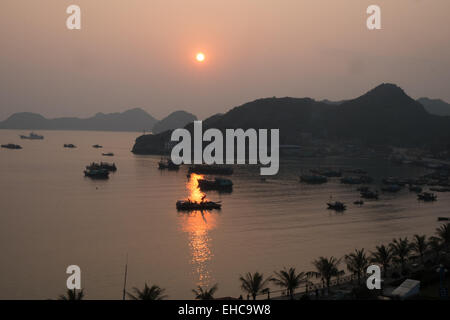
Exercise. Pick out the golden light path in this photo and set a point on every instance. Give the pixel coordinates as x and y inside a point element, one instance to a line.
<point>198,225</point>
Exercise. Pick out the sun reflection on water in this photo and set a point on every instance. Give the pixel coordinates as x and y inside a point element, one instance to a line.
<point>198,225</point>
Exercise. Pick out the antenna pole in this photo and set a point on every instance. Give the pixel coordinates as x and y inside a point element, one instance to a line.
<point>125,279</point>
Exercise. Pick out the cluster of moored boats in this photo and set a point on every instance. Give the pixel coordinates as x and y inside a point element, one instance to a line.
<point>437,181</point>
<point>99,170</point>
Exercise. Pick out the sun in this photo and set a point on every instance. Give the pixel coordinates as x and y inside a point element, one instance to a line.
<point>200,57</point>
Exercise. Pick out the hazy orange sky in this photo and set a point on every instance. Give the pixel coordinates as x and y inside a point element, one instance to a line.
<point>141,53</point>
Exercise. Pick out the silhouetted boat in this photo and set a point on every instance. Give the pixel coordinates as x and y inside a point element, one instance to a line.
<point>167,164</point>
<point>313,179</point>
<point>359,202</point>
<point>210,169</point>
<point>97,146</point>
<point>11,146</point>
<point>427,196</point>
<point>188,205</point>
<point>70,146</point>
<point>32,136</point>
<point>102,166</point>
<point>216,184</point>
<point>368,194</point>
<point>109,154</point>
<point>443,219</point>
<point>337,206</point>
<point>97,173</point>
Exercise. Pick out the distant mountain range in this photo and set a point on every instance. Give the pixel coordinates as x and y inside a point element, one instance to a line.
<point>130,120</point>
<point>177,119</point>
<point>385,115</point>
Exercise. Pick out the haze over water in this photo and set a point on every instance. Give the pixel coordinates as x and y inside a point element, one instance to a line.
<point>51,216</point>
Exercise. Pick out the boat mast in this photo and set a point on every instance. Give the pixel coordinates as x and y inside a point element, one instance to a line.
<point>125,279</point>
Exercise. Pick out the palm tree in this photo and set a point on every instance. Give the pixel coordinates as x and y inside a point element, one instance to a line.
<point>326,269</point>
<point>253,284</point>
<point>444,234</point>
<point>383,256</point>
<point>72,295</point>
<point>205,294</point>
<point>401,248</point>
<point>435,245</point>
<point>289,279</point>
<point>148,293</point>
<point>420,245</point>
<point>357,263</point>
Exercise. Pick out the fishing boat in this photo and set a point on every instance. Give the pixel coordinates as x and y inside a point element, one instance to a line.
<point>427,196</point>
<point>32,136</point>
<point>97,146</point>
<point>96,173</point>
<point>108,154</point>
<point>359,202</point>
<point>188,205</point>
<point>337,206</point>
<point>167,164</point>
<point>313,179</point>
<point>11,146</point>
<point>369,194</point>
<point>69,145</point>
<point>216,184</point>
<point>102,166</point>
<point>210,169</point>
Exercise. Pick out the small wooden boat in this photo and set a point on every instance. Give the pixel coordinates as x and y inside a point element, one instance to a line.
<point>167,164</point>
<point>96,173</point>
<point>32,136</point>
<point>369,194</point>
<point>337,206</point>
<point>216,184</point>
<point>188,205</point>
<point>97,146</point>
<point>69,145</point>
<point>109,154</point>
<point>359,202</point>
<point>102,166</point>
<point>427,196</point>
<point>11,146</point>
